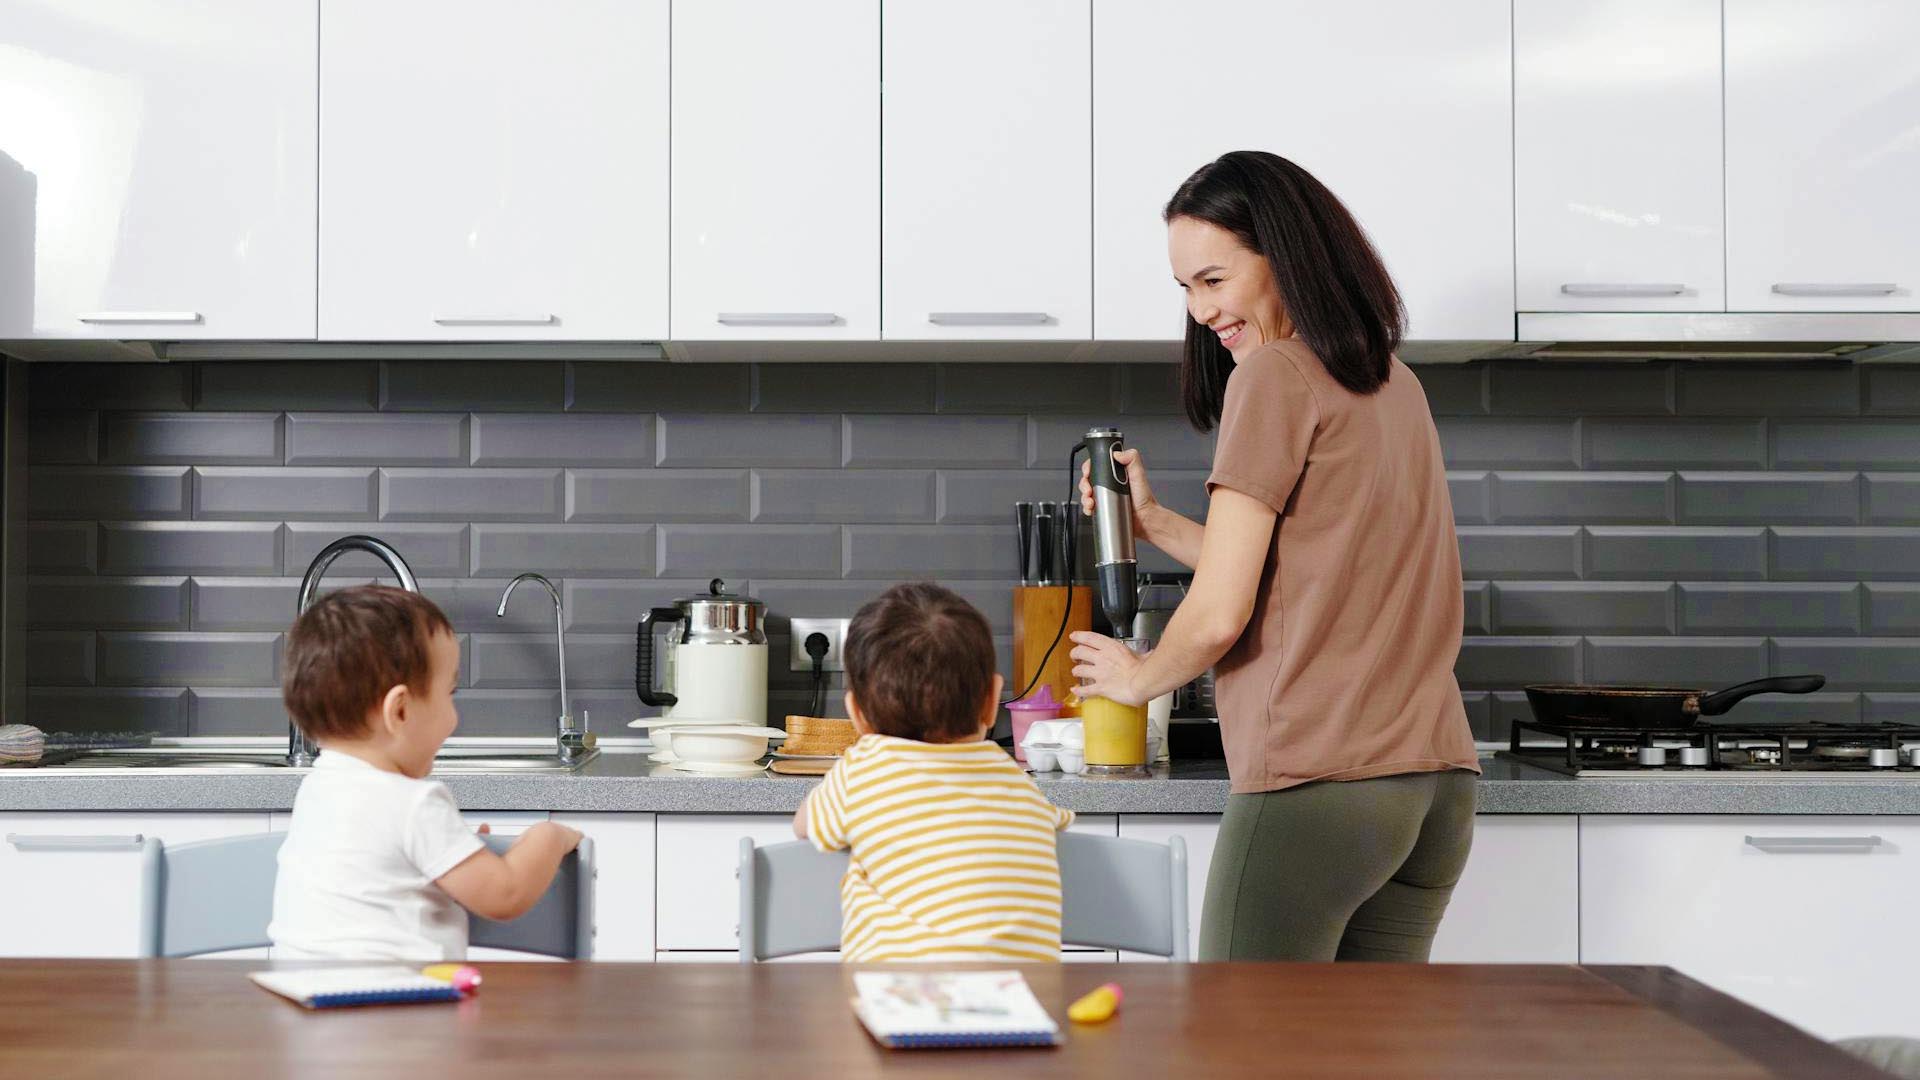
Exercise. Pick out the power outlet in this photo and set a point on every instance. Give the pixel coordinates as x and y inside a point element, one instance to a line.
<point>836,631</point>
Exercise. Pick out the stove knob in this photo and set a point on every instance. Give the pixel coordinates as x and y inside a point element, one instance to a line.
<point>1693,755</point>
<point>1913,757</point>
<point>1653,755</point>
<point>1883,757</point>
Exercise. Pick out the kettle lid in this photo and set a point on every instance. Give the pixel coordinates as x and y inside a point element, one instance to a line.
<point>717,594</point>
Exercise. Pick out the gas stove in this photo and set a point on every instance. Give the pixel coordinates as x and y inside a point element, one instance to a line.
<point>1721,751</point>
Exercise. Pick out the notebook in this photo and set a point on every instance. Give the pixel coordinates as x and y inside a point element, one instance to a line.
<point>327,988</point>
<point>909,1010</point>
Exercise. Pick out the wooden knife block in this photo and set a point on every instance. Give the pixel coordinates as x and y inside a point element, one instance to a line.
<point>1036,619</point>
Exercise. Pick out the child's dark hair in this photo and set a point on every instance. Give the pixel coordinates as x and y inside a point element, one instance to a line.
<point>351,647</point>
<point>920,663</point>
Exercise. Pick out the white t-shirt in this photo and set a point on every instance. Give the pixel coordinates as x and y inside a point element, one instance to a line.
<point>358,866</point>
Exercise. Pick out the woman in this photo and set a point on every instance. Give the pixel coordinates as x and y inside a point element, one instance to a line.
<point>1326,590</point>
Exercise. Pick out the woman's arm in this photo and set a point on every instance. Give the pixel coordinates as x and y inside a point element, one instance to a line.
<point>1174,533</point>
<point>1233,548</point>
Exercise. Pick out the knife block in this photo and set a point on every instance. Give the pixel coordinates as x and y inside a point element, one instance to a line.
<point>1036,619</point>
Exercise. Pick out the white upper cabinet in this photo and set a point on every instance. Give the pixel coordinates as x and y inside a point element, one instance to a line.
<point>1401,107</point>
<point>1617,173</point>
<point>493,171</point>
<point>776,170</point>
<point>1823,155</point>
<point>987,156</point>
<point>157,169</point>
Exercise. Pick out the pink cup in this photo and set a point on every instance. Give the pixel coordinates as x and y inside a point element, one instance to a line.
<point>1039,705</point>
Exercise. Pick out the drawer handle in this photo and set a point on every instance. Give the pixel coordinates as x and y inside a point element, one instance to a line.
<point>1780,845</point>
<point>1596,288</point>
<point>110,317</point>
<point>989,318</point>
<point>496,320</point>
<point>797,318</point>
<point>76,843</point>
<point>1822,288</point>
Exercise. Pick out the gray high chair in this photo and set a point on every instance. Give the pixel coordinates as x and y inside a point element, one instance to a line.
<point>216,895</point>
<point>1114,894</point>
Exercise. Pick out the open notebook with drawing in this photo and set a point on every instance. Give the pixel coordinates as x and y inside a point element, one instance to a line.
<point>951,1008</point>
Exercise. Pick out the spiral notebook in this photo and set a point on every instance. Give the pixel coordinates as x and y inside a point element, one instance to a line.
<point>329,988</point>
<point>910,1010</point>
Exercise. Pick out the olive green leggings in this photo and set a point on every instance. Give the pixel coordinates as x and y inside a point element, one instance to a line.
<point>1340,870</point>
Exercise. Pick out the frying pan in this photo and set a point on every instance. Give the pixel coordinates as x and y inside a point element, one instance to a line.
<point>1652,706</point>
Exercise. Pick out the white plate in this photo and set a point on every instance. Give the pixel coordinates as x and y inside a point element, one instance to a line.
<point>686,721</point>
<point>718,768</point>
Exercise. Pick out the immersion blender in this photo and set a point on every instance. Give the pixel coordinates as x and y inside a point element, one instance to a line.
<point>1114,563</point>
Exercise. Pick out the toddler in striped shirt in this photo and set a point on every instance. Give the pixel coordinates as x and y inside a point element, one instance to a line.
<point>952,845</point>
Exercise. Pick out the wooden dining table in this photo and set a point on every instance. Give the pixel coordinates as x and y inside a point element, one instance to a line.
<point>546,1021</point>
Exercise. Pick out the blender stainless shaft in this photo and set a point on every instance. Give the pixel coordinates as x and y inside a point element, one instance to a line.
<point>1113,557</point>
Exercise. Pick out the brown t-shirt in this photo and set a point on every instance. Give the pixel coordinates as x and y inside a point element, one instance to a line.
<point>1345,670</point>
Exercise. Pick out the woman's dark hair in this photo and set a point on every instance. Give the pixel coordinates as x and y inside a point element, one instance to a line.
<point>1337,292</point>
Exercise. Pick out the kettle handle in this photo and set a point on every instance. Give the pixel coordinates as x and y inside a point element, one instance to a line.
<point>643,666</point>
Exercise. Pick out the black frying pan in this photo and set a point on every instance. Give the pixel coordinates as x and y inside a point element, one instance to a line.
<point>1652,706</point>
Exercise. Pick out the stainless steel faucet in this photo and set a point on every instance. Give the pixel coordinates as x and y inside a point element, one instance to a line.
<point>300,749</point>
<point>573,741</point>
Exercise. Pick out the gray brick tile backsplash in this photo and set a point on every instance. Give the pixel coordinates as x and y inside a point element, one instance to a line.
<point>1452,389</point>
<point>1889,707</point>
<point>1674,444</point>
<point>1165,442</point>
<point>160,710</point>
<point>899,552</point>
<point>1821,708</point>
<point>1471,494</point>
<point>827,388</point>
<point>613,606</point>
<point>1784,498</point>
<point>1519,551</point>
<point>470,494</point>
<point>1771,607</point>
<point>788,600</point>
<point>937,441</point>
<point>618,439</point>
<point>712,440</point>
<point>189,547</point>
<point>1479,714</point>
<point>528,661</point>
<point>477,385</point>
<point>1476,602</point>
<point>656,495</point>
<point>60,658</point>
<point>180,659</point>
<point>850,495</point>
<point>236,493</point>
<point>1493,662</point>
<point>431,550</point>
<point>1893,608</point>
<point>63,437</point>
<point>523,713</point>
<point>1893,498</point>
<point>564,550</point>
<point>1894,390</point>
<point>154,492</point>
<point>1533,388</point>
<point>1704,662</point>
<point>1150,390</point>
<point>750,551</point>
<point>1527,498</point>
<point>376,439</point>
<point>1824,389</point>
<point>625,386</point>
<point>248,603</point>
<point>86,385</point>
<point>193,438</point>
<point>986,496</point>
<point>1038,388</point>
<point>157,603</point>
<point>1846,444</point>
<point>1709,553</point>
<point>232,710</point>
<point>1491,441</point>
<point>470,603</point>
<point>1875,663</point>
<point>1840,553</point>
<point>1575,607</point>
<point>65,547</point>
<point>264,384</point>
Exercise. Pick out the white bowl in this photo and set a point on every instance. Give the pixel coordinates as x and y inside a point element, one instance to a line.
<point>660,729</point>
<point>719,743</point>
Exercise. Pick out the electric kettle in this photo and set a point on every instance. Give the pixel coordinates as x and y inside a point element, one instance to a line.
<point>714,666</point>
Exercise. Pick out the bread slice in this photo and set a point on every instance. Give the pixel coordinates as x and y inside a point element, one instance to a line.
<point>817,735</point>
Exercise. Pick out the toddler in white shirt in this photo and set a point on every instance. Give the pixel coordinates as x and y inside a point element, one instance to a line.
<point>377,863</point>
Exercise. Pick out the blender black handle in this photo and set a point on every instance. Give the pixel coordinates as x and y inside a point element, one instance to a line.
<point>643,656</point>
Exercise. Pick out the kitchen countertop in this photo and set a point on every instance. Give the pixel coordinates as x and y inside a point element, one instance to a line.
<point>617,781</point>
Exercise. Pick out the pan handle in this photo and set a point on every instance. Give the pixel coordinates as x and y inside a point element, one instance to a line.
<point>1720,701</point>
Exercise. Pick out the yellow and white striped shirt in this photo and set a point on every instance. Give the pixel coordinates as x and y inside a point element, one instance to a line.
<point>953,852</point>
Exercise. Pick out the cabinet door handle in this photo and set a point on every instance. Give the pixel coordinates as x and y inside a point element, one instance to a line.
<point>1821,288</point>
<point>1601,288</point>
<point>989,318</point>
<point>168,317</point>
<point>75,843</point>
<point>496,320</point>
<point>1782,845</point>
<point>778,318</point>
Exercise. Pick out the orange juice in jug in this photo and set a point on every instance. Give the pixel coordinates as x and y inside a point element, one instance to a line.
<point>1116,734</point>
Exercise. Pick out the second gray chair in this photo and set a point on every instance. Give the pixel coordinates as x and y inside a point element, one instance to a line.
<point>1114,894</point>
<point>217,895</point>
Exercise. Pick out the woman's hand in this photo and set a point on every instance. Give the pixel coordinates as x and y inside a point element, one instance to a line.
<point>1143,501</point>
<point>1105,668</point>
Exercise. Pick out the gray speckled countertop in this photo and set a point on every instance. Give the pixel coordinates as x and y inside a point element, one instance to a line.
<point>616,782</point>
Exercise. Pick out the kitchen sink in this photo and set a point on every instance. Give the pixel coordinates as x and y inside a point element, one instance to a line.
<point>203,759</point>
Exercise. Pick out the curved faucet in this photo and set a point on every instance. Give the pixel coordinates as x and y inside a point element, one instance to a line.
<point>300,749</point>
<point>572,740</point>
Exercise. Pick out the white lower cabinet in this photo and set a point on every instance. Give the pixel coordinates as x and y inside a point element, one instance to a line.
<point>1519,899</point>
<point>1803,917</point>
<point>70,882</point>
<point>623,858</point>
